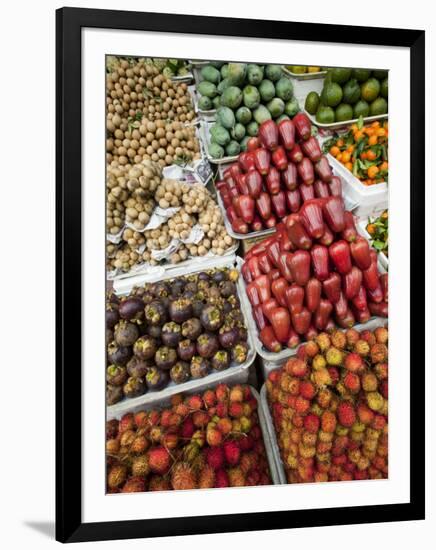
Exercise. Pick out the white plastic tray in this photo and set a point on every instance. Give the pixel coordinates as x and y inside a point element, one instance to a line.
<point>269,366</point>
<point>342,124</point>
<point>304,76</point>
<point>263,423</point>
<point>269,356</point>
<point>369,198</point>
<point>371,325</point>
<point>234,374</point>
<point>229,229</point>
<point>188,78</point>
<point>205,138</point>
<point>158,270</point>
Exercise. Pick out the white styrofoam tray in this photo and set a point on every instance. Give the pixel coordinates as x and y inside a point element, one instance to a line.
<point>206,115</point>
<point>369,198</point>
<point>269,356</point>
<point>304,76</point>
<point>159,270</point>
<point>371,325</point>
<point>205,138</point>
<point>188,78</point>
<point>266,435</point>
<point>229,229</point>
<point>234,374</point>
<point>342,124</point>
<point>374,322</point>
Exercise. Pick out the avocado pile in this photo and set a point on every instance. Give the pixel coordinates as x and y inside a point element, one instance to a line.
<point>349,94</point>
<point>244,96</point>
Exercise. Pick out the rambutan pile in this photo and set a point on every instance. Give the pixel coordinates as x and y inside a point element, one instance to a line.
<point>330,407</point>
<point>201,441</point>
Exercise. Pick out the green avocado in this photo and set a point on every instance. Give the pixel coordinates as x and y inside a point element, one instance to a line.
<point>312,103</point>
<point>325,115</point>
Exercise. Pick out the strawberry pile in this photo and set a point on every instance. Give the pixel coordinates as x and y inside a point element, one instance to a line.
<point>282,168</point>
<point>201,441</point>
<point>313,274</point>
<point>330,408</point>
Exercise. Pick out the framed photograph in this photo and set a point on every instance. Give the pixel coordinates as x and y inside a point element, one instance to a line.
<point>240,255</point>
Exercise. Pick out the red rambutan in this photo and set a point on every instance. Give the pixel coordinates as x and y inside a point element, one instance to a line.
<point>354,362</point>
<point>311,423</point>
<point>209,398</point>
<point>302,405</point>
<point>215,457</point>
<point>183,477</point>
<point>221,479</point>
<point>159,483</point>
<point>116,476</point>
<point>307,389</point>
<point>134,485</point>
<point>200,419</point>
<point>159,460</point>
<point>188,428</point>
<point>236,477</point>
<point>206,478</point>
<point>232,452</point>
<point>214,437</point>
<point>194,402</point>
<point>246,443</point>
<point>352,382</point>
<point>236,409</point>
<point>126,423</point>
<point>296,367</point>
<point>346,414</point>
<point>224,425</point>
<point>222,392</point>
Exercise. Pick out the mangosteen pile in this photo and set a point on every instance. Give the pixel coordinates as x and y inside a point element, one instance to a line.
<point>175,330</point>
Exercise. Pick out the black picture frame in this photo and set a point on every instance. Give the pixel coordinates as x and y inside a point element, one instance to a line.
<point>69,22</point>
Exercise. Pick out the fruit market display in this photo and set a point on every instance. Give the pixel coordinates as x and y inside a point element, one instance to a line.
<point>244,96</point>
<point>314,273</point>
<point>282,168</point>
<point>363,150</point>
<point>194,227</point>
<point>147,115</point>
<point>201,441</point>
<point>378,228</point>
<point>308,276</point>
<point>174,330</point>
<point>349,94</point>
<point>330,408</point>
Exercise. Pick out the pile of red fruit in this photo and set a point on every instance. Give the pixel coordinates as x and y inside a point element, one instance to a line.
<point>201,441</point>
<point>282,168</point>
<point>314,273</point>
<point>330,407</point>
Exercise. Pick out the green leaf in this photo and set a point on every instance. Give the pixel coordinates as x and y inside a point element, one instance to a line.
<point>360,122</point>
